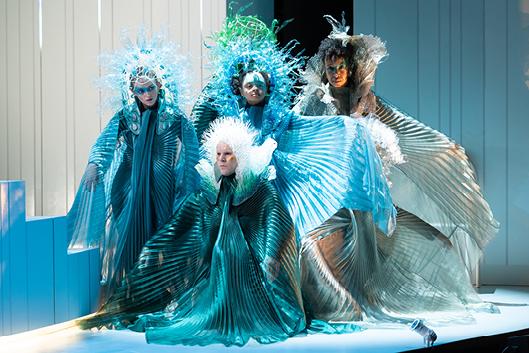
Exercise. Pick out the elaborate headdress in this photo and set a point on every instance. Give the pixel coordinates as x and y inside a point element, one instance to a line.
<point>252,160</point>
<point>252,47</point>
<point>367,52</point>
<point>153,59</point>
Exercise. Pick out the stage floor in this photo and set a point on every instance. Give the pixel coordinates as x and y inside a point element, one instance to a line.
<point>512,301</point>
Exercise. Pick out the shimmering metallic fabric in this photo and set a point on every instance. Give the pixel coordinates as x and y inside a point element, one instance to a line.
<point>145,165</point>
<point>353,272</point>
<point>215,273</point>
<point>438,184</point>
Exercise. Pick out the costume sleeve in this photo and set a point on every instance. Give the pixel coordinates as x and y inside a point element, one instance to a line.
<point>203,113</point>
<point>328,163</point>
<point>437,183</point>
<point>87,217</point>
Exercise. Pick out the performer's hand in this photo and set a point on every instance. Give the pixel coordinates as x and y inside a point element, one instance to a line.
<point>90,176</point>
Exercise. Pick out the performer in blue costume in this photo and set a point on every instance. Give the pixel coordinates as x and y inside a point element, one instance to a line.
<point>225,268</point>
<point>142,165</point>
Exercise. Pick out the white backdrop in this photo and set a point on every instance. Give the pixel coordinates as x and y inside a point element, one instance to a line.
<point>49,108</point>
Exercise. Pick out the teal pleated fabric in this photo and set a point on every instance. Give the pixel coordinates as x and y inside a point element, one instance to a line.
<point>323,164</point>
<point>216,273</point>
<point>145,165</point>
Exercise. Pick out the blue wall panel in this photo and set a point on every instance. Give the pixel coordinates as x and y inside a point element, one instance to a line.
<point>428,56</point>
<point>495,114</point>
<point>60,272</point>
<point>18,257</point>
<point>40,273</point>
<point>517,138</point>
<point>5,278</point>
<point>40,284</point>
<point>397,77</point>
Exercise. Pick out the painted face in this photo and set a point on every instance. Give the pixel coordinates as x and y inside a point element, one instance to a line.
<point>226,160</point>
<point>336,71</point>
<point>147,91</point>
<point>253,88</point>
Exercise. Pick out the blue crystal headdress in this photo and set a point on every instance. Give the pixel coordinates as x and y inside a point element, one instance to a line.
<point>152,59</point>
<point>250,51</point>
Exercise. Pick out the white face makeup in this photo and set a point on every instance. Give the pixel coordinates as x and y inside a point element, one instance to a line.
<point>226,160</point>
<point>253,88</point>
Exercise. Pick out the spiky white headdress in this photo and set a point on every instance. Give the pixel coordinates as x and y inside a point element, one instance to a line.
<point>251,159</point>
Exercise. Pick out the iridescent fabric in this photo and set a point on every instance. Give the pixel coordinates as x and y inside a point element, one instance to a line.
<point>424,267</point>
<point>217,272</point>
<point>145,168</point>
<point>323,164</point>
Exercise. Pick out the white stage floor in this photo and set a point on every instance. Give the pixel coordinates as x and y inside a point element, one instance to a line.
<point>513,303</point>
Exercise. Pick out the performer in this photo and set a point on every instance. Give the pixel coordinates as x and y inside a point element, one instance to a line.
<point>443,222</point>
<point>437,183</point>
<point>142,165</point>
<point>225,268</point>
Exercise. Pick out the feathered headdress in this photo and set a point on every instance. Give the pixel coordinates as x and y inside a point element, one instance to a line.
<point>252,159</point>
<point>367,52</point>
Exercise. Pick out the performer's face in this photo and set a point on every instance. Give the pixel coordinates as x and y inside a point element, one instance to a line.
<point>147,91</point>
<point>253,88</point>
<point>336,71</point>
<point>226,160</point>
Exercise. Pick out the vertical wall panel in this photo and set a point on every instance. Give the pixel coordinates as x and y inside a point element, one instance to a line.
<point>428,53</point>
<point>40,273</point>
<point>518,127</point>
<point>54,96</point>
<point>70,92</point>
<point>495,163</point>
<point>18,256</point>
<point>444,66</point>
<point>28,49</point>
<point>3,90</point>
<point>60,271</point>
<point>397,78</point>
<point>13,88</point>
<point>456,70</point>
<point>85,118</point>
<point>473,83</point>
<point>160,15</point>
<point>5,258</point>
<point>194,41</point>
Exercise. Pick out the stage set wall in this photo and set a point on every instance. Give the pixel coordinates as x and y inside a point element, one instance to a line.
<point>461,67</point>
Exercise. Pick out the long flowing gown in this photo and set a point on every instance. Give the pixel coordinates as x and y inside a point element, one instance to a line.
<point>145,163</point>
<point>224,269</point>
<point>443,224</point>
